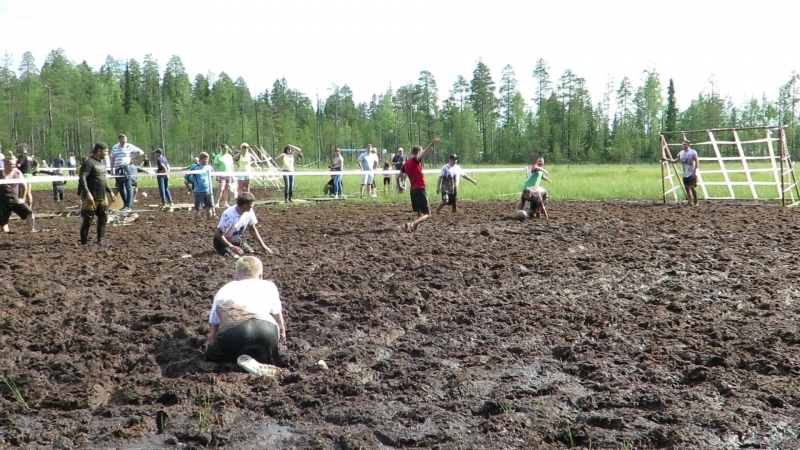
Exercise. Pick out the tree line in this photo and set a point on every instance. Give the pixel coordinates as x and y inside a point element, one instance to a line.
<point>64,107</point>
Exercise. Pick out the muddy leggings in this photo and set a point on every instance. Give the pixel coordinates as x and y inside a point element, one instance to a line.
<point>257,338</point>
<point>88,216</point>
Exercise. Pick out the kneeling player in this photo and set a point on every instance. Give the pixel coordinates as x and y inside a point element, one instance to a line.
<point>246,317</point>
<point>536,196</point>
<point>228,237</point>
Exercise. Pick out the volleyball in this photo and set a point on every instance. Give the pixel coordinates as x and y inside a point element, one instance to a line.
<point>520,215</point>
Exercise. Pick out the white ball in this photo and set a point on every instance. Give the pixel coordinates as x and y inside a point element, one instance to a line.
<point>521,215</point>
<point>144,194</point>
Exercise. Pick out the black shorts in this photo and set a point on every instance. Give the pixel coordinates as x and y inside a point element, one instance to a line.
<point>448,199</point>
<point>8,206</point>
<point>690,181</point>
<point>419,201</point>
<point>203,200</point>
<point>223,249</point>
<point>257,338</point>
<point>387,181</point>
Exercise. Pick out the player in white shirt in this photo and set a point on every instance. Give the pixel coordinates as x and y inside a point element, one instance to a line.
<point>368,161</point>
<point>229,235</point>
<point>688,158</point>
<point>246,318</point>
<point>448,183</point>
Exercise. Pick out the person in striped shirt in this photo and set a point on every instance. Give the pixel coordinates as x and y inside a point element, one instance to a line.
<point>122,156</point>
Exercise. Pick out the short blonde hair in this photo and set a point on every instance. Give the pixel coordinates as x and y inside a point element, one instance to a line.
<point>202,155</point>
<point>248,267</point>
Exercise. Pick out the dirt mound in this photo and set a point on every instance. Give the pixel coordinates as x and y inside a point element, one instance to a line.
<point>612,325</point>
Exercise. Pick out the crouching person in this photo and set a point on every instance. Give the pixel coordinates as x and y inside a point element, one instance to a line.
<point>246,320</point>
<point>229,236</point>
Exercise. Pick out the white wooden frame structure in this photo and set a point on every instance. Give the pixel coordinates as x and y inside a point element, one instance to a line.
<point>270,174</point>
<point>781,165</point>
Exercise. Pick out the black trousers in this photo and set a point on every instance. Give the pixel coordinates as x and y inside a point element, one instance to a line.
<point>257,338</point>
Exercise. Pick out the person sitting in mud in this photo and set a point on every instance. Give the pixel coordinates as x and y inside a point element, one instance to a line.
<point>228,237</point>
<point>536,196</point>
<point>246,317</point>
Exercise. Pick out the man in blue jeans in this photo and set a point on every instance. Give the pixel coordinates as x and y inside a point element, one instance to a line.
<point>122,155</point>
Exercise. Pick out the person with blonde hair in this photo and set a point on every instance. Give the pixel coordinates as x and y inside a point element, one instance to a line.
<point>246,321</point>
<point>244,163</point>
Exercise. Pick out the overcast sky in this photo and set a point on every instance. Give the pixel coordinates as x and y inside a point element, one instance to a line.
<point>747,47</point>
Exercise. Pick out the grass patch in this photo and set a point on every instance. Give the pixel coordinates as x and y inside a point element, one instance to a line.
<point>20,401</point>
<point>569,182</point>
<point>204,412</point>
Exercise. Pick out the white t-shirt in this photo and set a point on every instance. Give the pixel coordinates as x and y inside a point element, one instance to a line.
<point>368,161</point>
<point>287,159</point>
<point>242,300</point>
<point>451,176</point>
<point>233,224</point>
<point>686,157</point>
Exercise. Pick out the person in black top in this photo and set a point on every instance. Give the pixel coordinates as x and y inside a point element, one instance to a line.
<point>398,161</point>
<point>93,189</point>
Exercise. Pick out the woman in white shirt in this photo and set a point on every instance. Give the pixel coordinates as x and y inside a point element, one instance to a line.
<point>244,163</point>
<point>287,159</point>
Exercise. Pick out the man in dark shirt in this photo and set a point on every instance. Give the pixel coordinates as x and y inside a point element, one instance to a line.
<point>398,161</point>
<point>93,189</point>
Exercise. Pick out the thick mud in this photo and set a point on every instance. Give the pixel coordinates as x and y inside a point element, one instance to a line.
<point>612,325</point>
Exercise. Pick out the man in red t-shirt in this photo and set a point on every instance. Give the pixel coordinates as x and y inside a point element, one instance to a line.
<point>419,199</point>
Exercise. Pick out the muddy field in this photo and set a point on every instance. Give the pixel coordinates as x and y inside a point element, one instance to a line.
<point>613,325</point>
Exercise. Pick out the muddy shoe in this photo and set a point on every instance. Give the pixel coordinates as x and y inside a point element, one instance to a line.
<point>249,364</point>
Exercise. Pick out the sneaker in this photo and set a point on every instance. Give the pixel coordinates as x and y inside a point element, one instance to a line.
<point>249,364</point>
<point>125,209</point>
<point>374,195</point>
<point>336,196</point>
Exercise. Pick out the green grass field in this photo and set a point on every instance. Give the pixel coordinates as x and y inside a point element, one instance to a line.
<point>569,182</point>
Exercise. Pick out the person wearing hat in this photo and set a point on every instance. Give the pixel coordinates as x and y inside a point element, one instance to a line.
<point>688,158</point>
<point>162,176</point>
<point>398,160</point>
<point>449,179</point>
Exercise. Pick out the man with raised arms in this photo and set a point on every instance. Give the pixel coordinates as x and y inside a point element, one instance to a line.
<point>419,198</point>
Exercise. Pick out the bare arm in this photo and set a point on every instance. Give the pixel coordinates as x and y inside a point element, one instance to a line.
<point>220,236</point>
<point>281,325</point>
<point>426,150</point>
<point>84,173</point>
<point>467,177</point>
<point>257,236</point>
